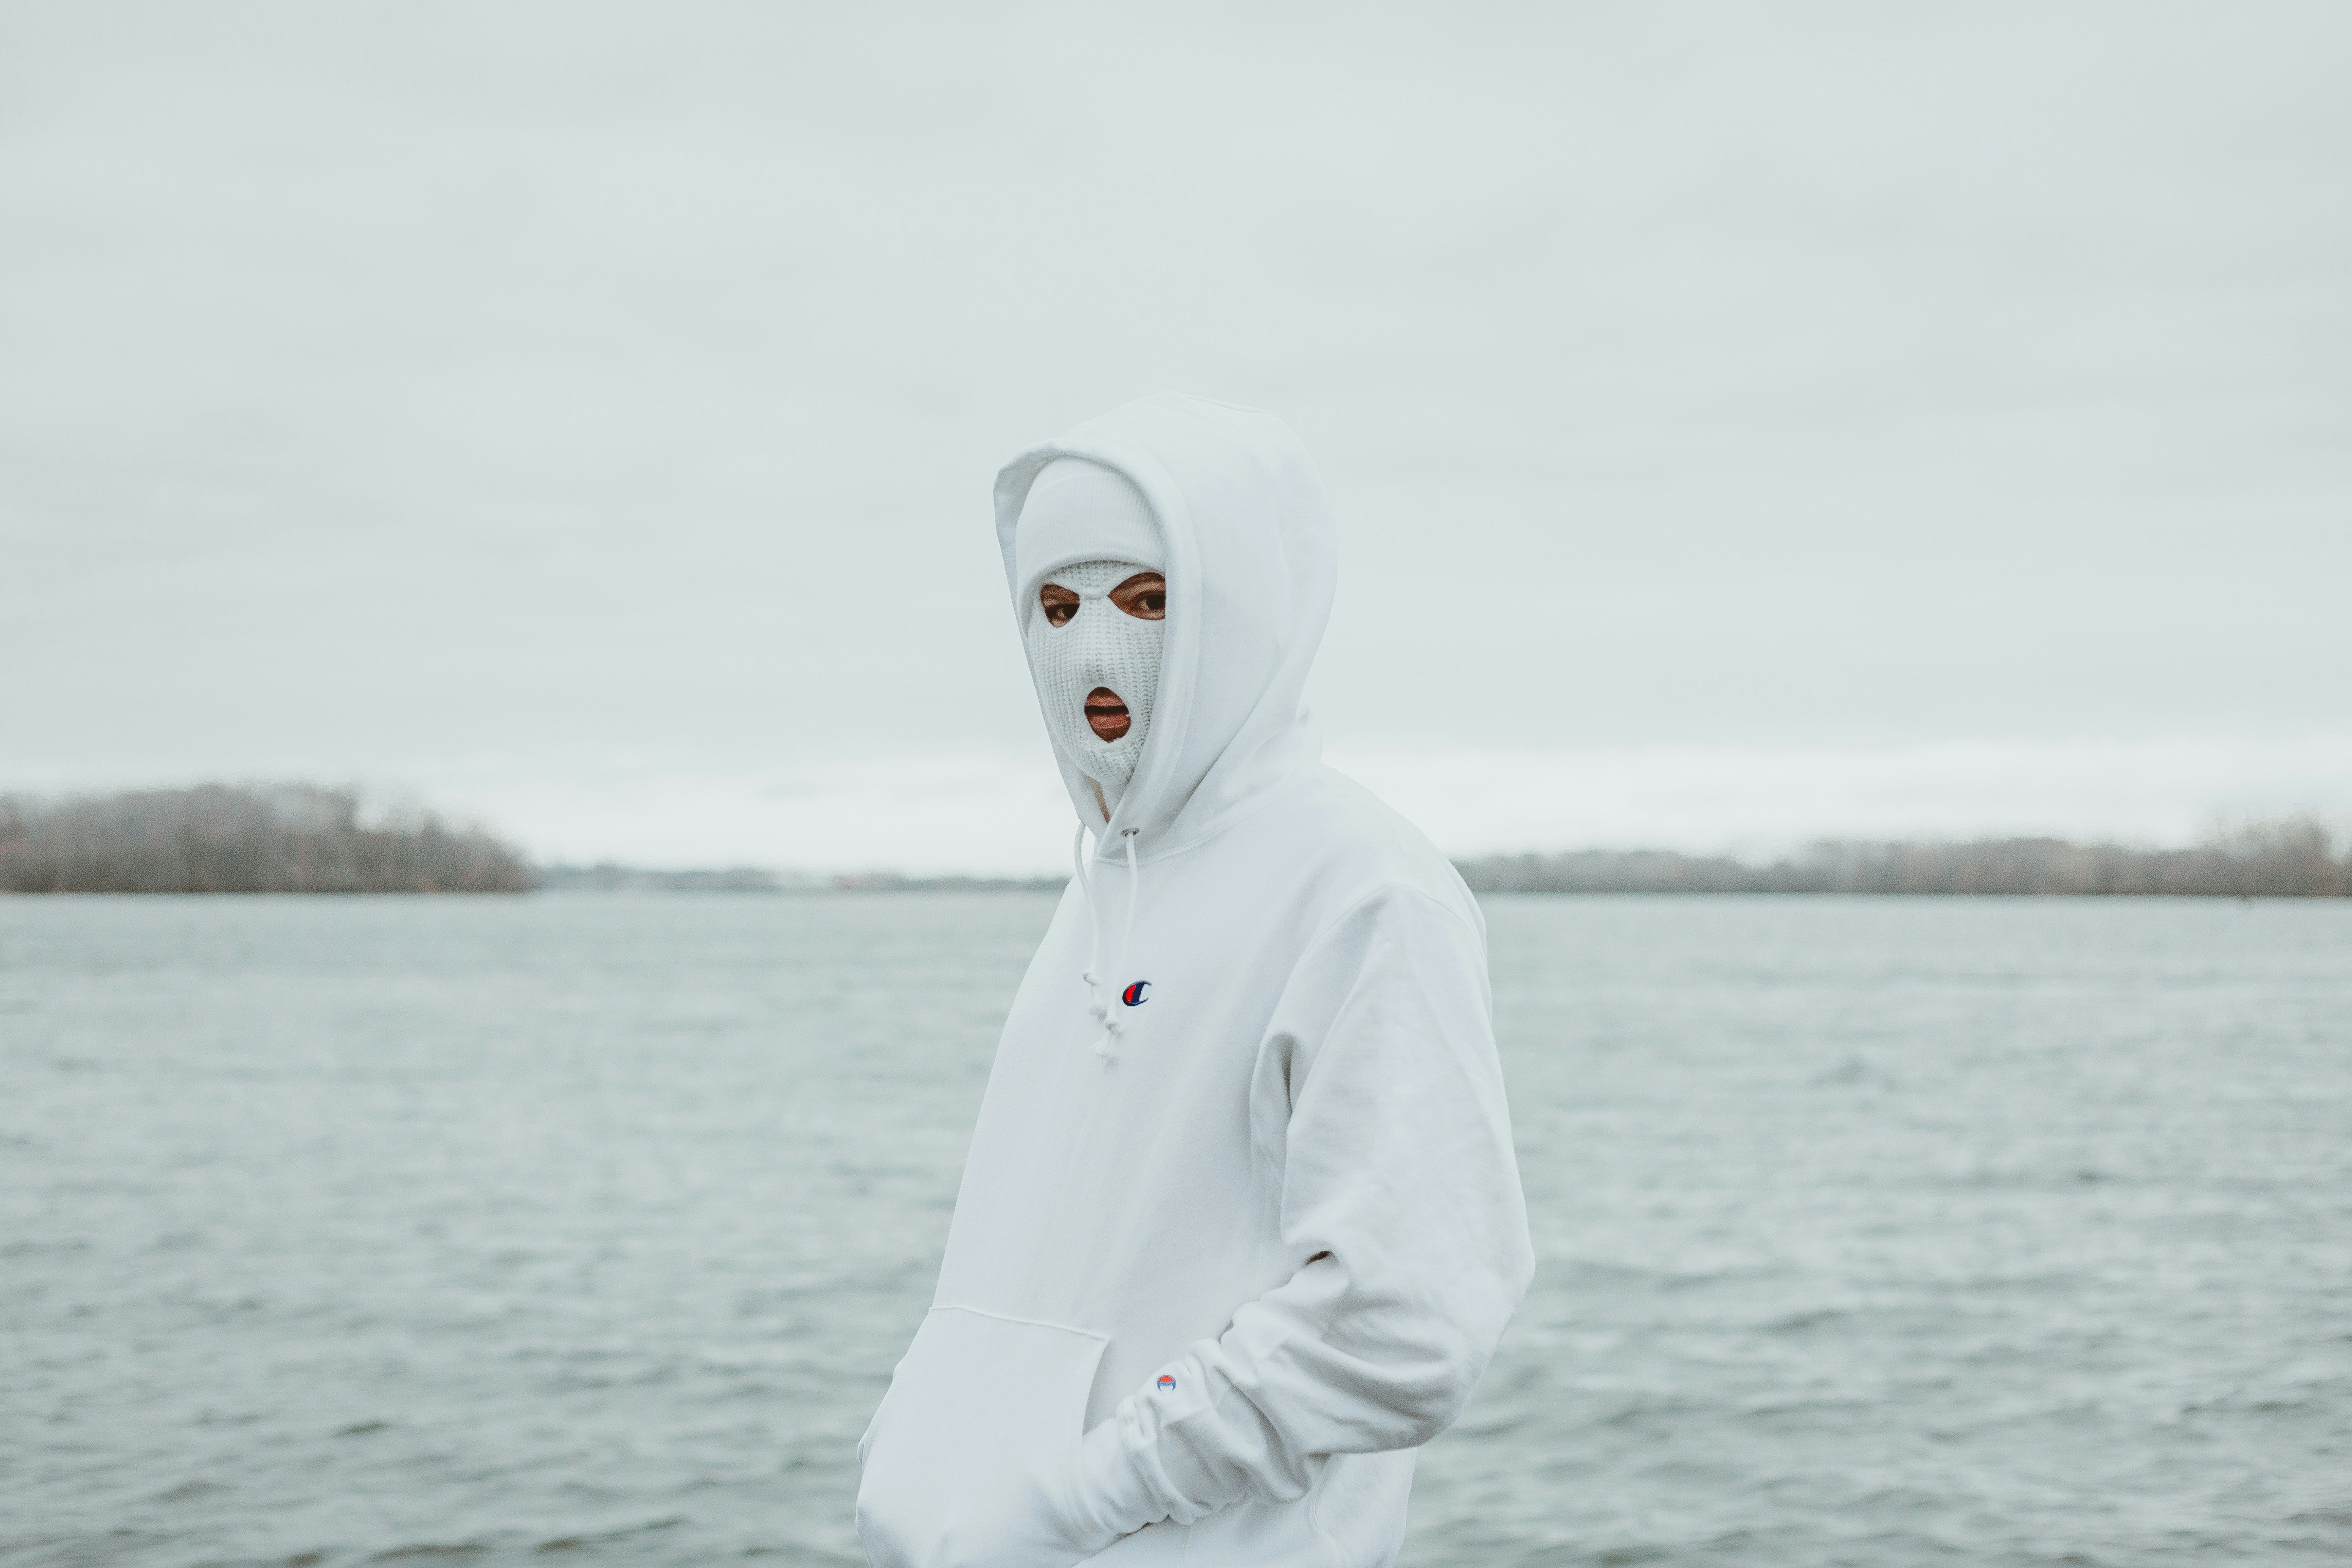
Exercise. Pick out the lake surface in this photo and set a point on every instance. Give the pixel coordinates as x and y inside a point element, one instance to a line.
<point>582,1229</point>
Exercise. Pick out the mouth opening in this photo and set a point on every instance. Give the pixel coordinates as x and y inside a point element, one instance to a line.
<point>1106,716</point>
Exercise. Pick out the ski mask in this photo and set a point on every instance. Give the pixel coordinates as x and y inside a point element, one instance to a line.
<point>1087,529</point>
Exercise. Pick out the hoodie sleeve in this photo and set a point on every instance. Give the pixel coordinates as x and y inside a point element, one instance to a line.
<point>1379,1098</point>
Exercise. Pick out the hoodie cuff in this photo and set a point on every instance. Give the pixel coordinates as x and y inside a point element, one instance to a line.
<point>1113,1498</point>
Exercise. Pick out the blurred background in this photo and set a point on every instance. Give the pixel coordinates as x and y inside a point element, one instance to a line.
<point>522,436</point>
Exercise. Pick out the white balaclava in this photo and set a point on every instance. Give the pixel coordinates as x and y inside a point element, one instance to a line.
<point>1086,528</point>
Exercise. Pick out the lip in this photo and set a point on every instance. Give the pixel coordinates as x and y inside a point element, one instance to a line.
<point>1106,716</point>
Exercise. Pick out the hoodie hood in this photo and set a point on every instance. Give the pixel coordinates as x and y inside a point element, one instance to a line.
<point>1246,538</point>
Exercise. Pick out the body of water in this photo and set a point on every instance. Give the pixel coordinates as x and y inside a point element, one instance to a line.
<point>587,1229</point>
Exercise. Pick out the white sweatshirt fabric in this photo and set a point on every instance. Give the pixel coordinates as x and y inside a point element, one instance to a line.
<point>1215,1273</point>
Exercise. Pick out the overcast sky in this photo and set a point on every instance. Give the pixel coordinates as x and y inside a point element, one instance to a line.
<point>1744,422</point>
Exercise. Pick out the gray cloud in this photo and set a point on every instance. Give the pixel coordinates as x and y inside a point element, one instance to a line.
<point>458,392</point>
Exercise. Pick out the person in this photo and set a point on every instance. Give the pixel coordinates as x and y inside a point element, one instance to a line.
<point>1240,1222</point>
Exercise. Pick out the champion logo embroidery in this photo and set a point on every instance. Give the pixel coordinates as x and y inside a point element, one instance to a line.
<point>1134,995</point>
<point>1167,1383</point>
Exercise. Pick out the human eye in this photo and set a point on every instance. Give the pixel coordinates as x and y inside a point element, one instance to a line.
<point>1143,595</point>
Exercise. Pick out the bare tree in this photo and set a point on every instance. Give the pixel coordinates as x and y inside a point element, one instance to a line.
<point>221,838</point>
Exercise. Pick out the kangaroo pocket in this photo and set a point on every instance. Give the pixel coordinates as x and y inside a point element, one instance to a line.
<point>973,1456</point>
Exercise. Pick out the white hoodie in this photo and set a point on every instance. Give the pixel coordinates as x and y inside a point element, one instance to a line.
<point>1215,1271</point>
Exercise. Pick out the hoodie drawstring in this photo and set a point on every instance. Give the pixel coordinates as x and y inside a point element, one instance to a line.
<point>1097,1005</point>
<point>1094,926</point>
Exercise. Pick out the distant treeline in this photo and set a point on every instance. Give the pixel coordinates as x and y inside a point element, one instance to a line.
<point>300,838</point>
<point>2293,858</point>
<point>890,882</point>
<point>219,838</point>
<point>606,878</point>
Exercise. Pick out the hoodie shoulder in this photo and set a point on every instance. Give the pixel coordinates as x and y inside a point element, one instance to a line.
<point>1353,845</point>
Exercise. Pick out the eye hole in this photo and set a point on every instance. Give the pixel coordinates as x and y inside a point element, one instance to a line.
<point>1143,595</point>
<point>1059,604</point>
